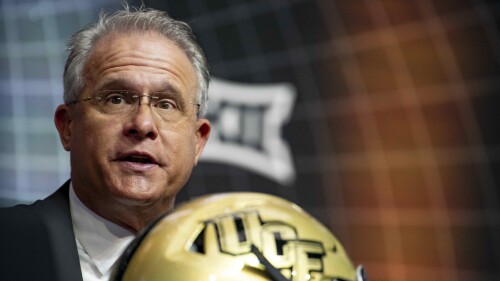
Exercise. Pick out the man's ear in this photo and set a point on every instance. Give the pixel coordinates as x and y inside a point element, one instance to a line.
<point>202,133</point>
<point>63,122</point>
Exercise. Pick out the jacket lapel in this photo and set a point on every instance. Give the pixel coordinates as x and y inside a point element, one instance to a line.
<point>56,214</point>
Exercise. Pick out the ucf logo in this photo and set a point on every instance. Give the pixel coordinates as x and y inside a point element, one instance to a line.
<point>236,233</point>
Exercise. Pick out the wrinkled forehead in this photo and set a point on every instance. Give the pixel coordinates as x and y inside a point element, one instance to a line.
<point>140,62</point>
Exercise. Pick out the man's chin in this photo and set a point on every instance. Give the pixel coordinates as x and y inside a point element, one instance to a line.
<point>136,199</point>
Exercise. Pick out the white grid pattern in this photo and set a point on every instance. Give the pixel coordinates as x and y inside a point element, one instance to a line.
<point>26,163</point>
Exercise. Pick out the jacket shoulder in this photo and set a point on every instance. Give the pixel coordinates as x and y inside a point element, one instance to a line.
<point>37,240</point>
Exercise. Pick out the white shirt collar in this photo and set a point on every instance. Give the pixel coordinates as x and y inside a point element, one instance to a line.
<point>101,239</point>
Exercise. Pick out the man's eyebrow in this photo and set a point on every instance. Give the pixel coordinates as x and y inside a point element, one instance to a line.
<point>123,84</point>
<point>168,88</point>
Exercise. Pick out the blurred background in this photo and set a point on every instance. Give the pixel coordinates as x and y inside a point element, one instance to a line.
<point>378,117</point>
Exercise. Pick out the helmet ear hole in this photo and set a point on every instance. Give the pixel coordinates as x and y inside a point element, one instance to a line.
<point>237,236</point>
<point>198,245</point>
<point>361,274</point>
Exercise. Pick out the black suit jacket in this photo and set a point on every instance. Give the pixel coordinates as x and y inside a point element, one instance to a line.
<point>37,241</point>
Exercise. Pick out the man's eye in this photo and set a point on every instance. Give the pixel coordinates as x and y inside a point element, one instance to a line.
<point>165,104</point>
<point>115,98</point>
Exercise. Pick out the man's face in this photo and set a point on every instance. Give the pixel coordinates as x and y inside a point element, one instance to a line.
<point>136,158</point>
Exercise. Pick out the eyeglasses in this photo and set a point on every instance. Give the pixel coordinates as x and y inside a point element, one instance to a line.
<point>121,102</point>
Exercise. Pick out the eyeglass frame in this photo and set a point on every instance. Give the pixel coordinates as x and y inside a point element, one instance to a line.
<point>137,98</point>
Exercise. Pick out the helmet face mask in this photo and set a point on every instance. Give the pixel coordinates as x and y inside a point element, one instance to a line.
<point>237,236</point>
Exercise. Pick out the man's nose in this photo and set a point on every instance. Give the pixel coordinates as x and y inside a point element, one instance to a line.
<point>142,123</point>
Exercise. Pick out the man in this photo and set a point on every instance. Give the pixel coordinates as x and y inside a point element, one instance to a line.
<point>135,92</point>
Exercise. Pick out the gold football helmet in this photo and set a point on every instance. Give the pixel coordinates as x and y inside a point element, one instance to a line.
<point>237,237</point>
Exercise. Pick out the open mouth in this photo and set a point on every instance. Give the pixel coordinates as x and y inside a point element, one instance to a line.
<point>138,158</point>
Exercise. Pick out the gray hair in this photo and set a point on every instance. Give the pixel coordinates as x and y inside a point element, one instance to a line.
<point>124,22</point>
